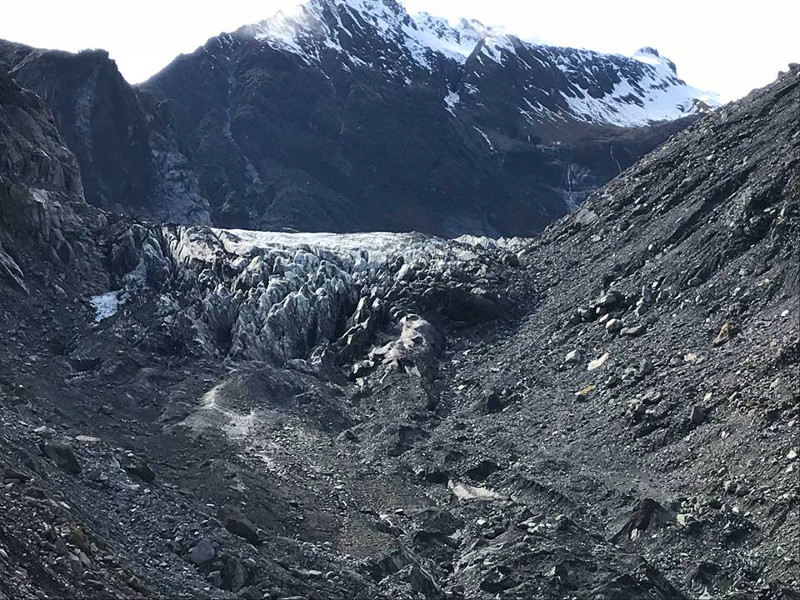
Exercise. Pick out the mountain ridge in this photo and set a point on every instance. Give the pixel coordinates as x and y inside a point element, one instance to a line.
<point>121,138</point>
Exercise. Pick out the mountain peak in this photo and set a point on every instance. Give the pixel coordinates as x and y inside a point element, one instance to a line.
<point>651,56</point>
<point>648,50</point>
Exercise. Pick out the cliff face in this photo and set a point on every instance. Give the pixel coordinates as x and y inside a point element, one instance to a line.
<point>121,138</point>
<point>41,194</point>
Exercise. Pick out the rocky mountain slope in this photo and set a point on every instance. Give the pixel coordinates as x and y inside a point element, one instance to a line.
<point>352,115</point>
<point>609,411</point>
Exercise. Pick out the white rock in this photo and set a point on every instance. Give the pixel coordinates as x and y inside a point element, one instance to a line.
<point>462,491</point>
<point>599,362</point>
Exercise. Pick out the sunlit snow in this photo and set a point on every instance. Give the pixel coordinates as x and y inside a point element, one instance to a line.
<point>647,87</point>
<point>105,305</point>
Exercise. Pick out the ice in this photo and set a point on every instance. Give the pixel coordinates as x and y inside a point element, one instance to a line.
<point>105,305</point>
<point>377,246</point>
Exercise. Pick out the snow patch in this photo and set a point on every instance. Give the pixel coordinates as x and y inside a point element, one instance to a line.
<point>656,94</point>
<point>452,99</point>
<point>105,305</point>
<point>485,137</point>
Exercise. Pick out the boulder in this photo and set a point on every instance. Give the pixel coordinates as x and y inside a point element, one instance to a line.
<point>725,334</point>
<point>14,475</point>
<point>611,299</point>
<point>697,415</point>
<point>489,403</point>
<point>62,456</point>
<point>203,552</point>
<point>598,362</point>
<point>634,331</point>
<point>139,468</point>
<point>251,593</point>
<point>243,528</point>
<point>234,575</point>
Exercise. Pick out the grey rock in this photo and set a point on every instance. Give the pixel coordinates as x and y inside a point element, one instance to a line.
<point>251,593</point>
<point>610,300</point>
<point>234,575</point>
<point>614,326</point>
<point>139,468</point>
<point>203,552</point>
<point>645,368</point>
<point>634,331</point>
<point>76,565</point>
<point>423,583</point>
<point>697,415</point>
<point>489,403</point>
<point>10,473</point>
<point>243,528</point>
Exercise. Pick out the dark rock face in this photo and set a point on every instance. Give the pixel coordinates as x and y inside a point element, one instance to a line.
<point>397,416</point>
<point>43,215</point>
<point>338,118</point>
<point>121,137</point>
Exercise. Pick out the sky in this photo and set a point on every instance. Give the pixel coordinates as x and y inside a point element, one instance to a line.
<point>722,46</point>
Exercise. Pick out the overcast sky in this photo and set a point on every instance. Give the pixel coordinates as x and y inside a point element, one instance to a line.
<point>724,46</point>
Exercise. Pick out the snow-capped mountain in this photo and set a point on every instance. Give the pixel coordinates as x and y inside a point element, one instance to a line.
<point>353,115</point>
<point>552,83</point>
